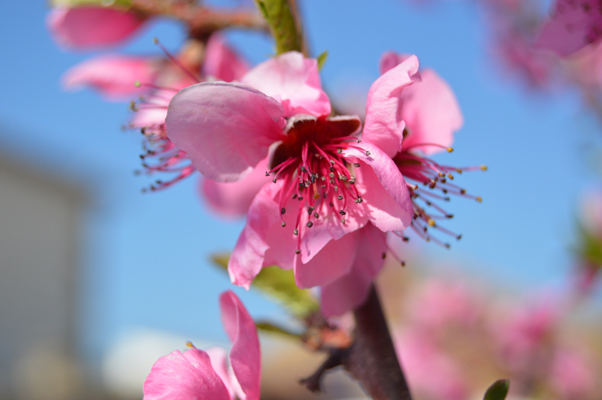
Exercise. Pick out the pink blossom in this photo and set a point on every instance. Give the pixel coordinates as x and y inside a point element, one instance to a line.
<point>92,27</point>
<point>574,25</point>
<point>430,371</point>
<point>431,114</point>
<point>198,374</point>
<point>327,185</point>
<point>221,62</point>
<point>114,76</point>
<point>572,375</point>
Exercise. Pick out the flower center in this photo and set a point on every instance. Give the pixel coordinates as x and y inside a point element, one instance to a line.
<point>315,172</point>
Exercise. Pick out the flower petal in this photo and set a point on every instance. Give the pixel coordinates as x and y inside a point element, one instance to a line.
<point>263,241</point>
<point>383,189</point>
<point>431,113</point>
<point>178,376</point>
<point>222,62</point>
<point>330,263</point>
<point>225,128</point>
<point>351,290</point>
<point>245,357</point>
<point>384,125</point>
<point>112,76</point>
<point>219,357</point>
<point>294,81</point>
<point>571,28</point>
<point>91,27</point>
<point>233,199</point>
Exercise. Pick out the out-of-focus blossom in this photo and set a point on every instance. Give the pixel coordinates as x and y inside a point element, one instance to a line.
<point>431,114</point>
<point>572,375</point>
<point>431,373</point>
<point>574,25</point>
<point>85,27</point>
<point>327,184</point>
<point>221,62</point>
<point>198,374</point>
<point>114,76</point>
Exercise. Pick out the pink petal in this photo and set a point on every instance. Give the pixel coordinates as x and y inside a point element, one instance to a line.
<point>384,125</point>
<point>571,28</point>
<point>232,199</point>
<point>178,376</point>
<point>383,189</point>
<point>245,357</point>
<point>263,241</point>
<point>112,76</point>
<point>225,128</point>
<point>222,62</point>
<point>390,60</point>
<point>294,81</point>
<point>219,362</point>
<point>333,261</point>
<point>351,290</point>
<point>91,27</point>
<point>431,113</point>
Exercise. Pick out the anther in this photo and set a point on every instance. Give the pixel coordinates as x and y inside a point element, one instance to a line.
<point>352,182</point>
<point>431,222</point>
<point>340,197</point>
<point>331,175</point>
<point>283,210</point>
<point>406,239</point>
<point>323,178</point>
<point>459,237</point>
<point>300,198</point>
<point>267,173</point>
<point>356,165</point>
<point>317,195</point>
<point>447,246</point>
<point>479,199</point>
<point>463,191</point>
<point>336,188</point>
<point>359,140</point>
<point>368,153</point>
<point>316,215</point>
<point>342,178</point>
<point>310,224</point>
<point>403,263</point>
<point>296,232</point>
<point>294,196</point>
<point>297,251</point>
<point>303,169</point>
<point>274,180</point>
<point>384,255</point>
<point>483,168</point>
<point>307,184</point>
<point>450,176</point>
<point>342,212</point>
<point>359,200</point>
<point>450,216</point>
<point>343,221</point>
<point>189,344</point>
<point>310,209</point>
<point>450,149</point>
<point>283,224</point>
<point>340,151</point>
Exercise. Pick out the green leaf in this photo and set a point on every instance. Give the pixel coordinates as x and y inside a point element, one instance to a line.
<point>279,17</point>
<point>93,3</point>
<point>280,285</point>
<point>271,328</point>
<point>322,59</point>
<point>590,247</point>
<point>498,390</point>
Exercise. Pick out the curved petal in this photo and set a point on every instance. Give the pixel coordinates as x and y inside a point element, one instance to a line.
<point>572,27</point>
<point>351,290</point>
<point>390,59</point>
<point>264,241</point>
<point>233,199</point>
<point>112,76</point>
<point>384,124</point>
<point>431,113</point>
<point>178,376</point>
<point>383,189</point>
<point>294,81</point>
<point>219,357</point>
<point>91,27</point>
<point>245,357</point>
<point>222,62</point>
<point>330,263</point>
<point>225,128</point>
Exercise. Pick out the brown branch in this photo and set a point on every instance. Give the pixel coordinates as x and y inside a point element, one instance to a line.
<point>371,359</point>
<point>201,21</point>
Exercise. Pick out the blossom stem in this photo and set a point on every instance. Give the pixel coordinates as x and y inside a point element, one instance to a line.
<point>372,359</point>
<point>201,21</point>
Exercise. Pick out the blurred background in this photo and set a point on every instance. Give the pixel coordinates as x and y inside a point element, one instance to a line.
<point>98,280</point>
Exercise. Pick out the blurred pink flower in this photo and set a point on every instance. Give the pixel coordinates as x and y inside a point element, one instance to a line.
<point>430,371</point>
<point>572,375</point>
<point>114,76</point>
<point>85,27</point>
<point>198,374</point>
<point>431,114</point>
<point>574,25</point>
<point>443,303</point>
<point>326,184</point>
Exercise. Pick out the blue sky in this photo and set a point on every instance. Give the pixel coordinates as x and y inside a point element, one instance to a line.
<point>146,257</point>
